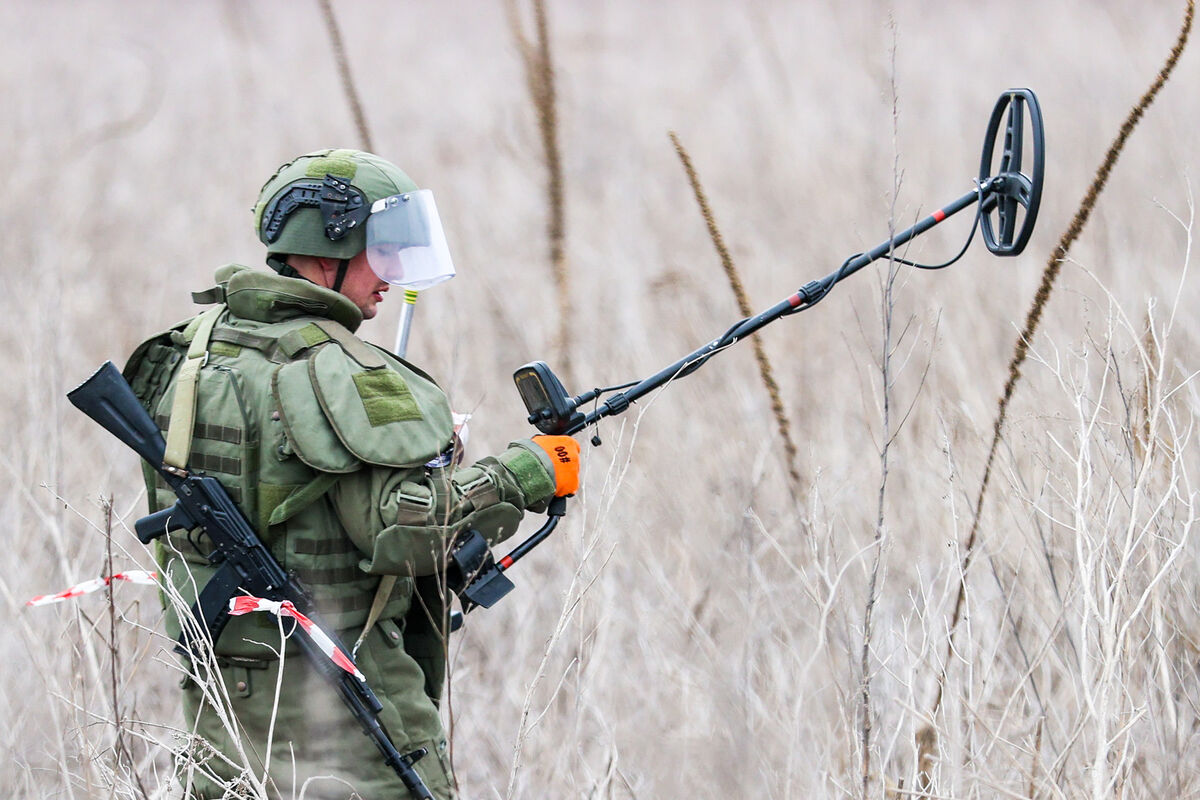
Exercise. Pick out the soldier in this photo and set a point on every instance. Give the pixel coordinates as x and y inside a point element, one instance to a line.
<point>342,456</point>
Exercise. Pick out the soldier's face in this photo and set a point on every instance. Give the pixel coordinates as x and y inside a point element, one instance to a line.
<point>362,286</point>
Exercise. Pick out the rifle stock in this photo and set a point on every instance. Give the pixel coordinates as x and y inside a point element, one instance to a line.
<point>107,398</point>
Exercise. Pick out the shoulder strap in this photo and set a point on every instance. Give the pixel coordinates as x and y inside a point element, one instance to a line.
<point>316,332</point>
<point>354,347</point>
<point>183,408</point>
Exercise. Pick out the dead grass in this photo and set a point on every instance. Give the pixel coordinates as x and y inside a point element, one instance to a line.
<point>717,650</point>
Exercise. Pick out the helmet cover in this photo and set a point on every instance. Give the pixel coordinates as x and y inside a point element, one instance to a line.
<point>314,205</point>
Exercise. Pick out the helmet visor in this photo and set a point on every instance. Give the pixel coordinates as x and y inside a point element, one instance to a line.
<point>405,242</point>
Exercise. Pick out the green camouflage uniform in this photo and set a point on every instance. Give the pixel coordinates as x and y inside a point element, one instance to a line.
<point>331,448</point>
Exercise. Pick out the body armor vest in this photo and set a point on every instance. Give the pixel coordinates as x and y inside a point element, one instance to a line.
<point>286,402</point>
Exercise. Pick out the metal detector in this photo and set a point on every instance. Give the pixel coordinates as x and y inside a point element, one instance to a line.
<point>1007,200</point>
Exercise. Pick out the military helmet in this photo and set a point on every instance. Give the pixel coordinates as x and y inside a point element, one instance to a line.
<point>317,204</point>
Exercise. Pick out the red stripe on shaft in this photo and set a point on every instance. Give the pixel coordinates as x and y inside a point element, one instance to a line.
<point>939,215</point>
<point>505,563</point>
<point>794,300</point>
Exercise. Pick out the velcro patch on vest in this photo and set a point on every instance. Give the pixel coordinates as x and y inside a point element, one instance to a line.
<point>295,342</point>
<point>385,397</point>
<point>233,336</point>
<point>529,471</point>
<point>312,334</point>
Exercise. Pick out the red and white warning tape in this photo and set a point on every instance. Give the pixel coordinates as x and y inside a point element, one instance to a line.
<point>96,584</point>
<point>237,606</point>
<point>246,604</point>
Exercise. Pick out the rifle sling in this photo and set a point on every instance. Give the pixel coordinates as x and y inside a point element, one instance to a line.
<point>382,595</point>
<point>183,407</point>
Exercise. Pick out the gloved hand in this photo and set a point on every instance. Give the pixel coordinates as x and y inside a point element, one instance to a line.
<point>564,455</point>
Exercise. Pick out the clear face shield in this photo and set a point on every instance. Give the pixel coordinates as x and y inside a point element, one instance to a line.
<point>405,243</point>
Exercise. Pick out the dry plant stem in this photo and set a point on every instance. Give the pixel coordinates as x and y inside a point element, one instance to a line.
<point>744,308</point>
<point>445,598</point>
<point>205,672</point>
<point>580,585</point>
<point>1034,316</point>
<point>123,755</point>
<point>1037,754</point>
<point>348,86</point>
<point>885,368</point>
<point>539,75</point>
<point>1149,376</point>
<point>1110,612</point>
<point>275,703</point>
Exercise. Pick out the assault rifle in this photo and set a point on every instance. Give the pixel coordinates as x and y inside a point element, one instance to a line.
<point>246,565</point>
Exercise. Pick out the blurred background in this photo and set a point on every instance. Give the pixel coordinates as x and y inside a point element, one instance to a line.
<point>698,626</point>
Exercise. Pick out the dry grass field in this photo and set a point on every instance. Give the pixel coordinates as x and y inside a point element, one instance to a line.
<point>696,628</point>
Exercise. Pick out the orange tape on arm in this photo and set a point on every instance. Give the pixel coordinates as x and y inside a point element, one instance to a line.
<point>564,455</point>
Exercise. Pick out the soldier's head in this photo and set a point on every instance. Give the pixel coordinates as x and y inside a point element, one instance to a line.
<point>352,222</point>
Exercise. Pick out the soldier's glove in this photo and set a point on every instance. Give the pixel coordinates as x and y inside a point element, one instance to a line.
<point>564,455</point>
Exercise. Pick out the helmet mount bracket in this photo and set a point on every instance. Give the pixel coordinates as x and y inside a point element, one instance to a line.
<point>342,207</point>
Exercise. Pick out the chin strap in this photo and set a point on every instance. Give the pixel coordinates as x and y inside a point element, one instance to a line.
<point>286,270</point>
<point>343,265</point>
<point>283,268</point>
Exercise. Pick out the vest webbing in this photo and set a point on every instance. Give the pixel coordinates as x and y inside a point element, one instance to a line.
<point>183,407</point>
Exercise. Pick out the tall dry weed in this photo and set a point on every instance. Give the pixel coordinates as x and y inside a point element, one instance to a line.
<point>765,370</point>
<point>1034,315</point>
<point>541,81</point>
